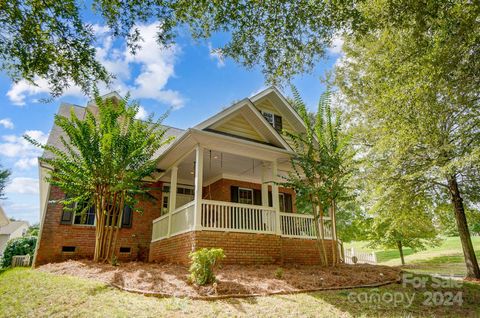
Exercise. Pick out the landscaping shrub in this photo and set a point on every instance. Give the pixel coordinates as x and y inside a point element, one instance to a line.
<point>18,246</point>
<point>203,262</point>
<point>279,273</point>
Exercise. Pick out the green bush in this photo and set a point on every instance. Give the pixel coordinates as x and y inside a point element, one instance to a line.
<point>203,262</point>
<point>18,246</point>
<point>279,273</point>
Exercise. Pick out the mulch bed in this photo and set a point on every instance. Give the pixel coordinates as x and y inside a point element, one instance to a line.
<point>232,280</point>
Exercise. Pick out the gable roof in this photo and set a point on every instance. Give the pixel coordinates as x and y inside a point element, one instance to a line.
<point>248,110</point>
<point>282,105</point>
<point>54,138</point>
<point>3,217</point>
<point>12,227</point>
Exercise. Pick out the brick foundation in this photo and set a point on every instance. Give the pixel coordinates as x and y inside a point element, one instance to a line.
<point>239,248</point>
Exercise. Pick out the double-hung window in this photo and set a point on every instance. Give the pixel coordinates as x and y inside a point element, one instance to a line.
<point>274,120</point>
<point>245,196</point>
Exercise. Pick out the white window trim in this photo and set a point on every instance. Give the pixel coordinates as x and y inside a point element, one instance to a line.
<point>245,189</point>
<point>273,118</point>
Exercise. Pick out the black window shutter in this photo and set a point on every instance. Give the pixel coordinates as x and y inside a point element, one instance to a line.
<point>127,217</point>
<point>67,215</point>
<point>288,202</point>
<point>234,194</point>
<point>278,123</point>
<point>270,202</point>
<point>257,197</point>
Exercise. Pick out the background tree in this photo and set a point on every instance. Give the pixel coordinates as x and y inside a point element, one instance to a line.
<point>413,93</point>
<point>4,174</point>
<point>320,167</point>
<point>51,40</point>
<point>104,163</point>
<point>401,218</point>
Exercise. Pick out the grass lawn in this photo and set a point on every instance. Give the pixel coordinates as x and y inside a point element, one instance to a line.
<point>444,259</point>
<point>31,293</point>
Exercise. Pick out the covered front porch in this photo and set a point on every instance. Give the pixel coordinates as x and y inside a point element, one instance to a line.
<point>231,188</point>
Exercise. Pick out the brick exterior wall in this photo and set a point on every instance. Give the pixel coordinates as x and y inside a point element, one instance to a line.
<point>56,235</point>
<point>239,248</point>
<point>173,250</point>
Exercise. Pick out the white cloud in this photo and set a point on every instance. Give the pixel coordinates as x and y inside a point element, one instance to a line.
<point>6,123</point>
<point>156,68</point>
<point>216,54</point>
<point>142,113</point>
<point>25,153</point>
<point>336,46</point>
<point>152,65</point>
<point>19,91</point>
<point>26,163</point>
<point>23,185</point>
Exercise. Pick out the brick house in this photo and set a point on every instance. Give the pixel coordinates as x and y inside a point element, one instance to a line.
<point>215,188</point>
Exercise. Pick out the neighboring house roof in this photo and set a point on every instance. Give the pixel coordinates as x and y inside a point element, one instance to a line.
<point>3,217</point>
<point>12,227</point>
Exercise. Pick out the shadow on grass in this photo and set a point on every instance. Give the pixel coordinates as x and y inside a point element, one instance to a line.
<point>399,300</point>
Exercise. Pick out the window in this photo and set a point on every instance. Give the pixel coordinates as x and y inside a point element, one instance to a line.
<point>274,120</point>
<point>245,196</point>
<point>164,205</point>
<point>124,250</point>
<point>68,249</point>
<point>184,195</point>
<point>281,198</point>
<point>83,217</point>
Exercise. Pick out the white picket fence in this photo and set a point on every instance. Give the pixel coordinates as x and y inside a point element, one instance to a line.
<point>354,257</point>
<point>21,260</point>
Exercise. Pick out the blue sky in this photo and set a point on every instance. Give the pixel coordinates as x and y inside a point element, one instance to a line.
<point>189,77</point>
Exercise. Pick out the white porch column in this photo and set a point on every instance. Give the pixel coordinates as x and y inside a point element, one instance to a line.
<point>264,185</point>
<point>198,186</point>
<point>275,199</point>
<point>172,198</point>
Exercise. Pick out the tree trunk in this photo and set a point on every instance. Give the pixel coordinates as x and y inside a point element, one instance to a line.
<point>320,243</point>
<point>400,249</point>
<point>334,234</point>
<point>468,252</point>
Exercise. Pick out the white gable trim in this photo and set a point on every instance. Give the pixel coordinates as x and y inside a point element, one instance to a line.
<point>294,117</point>
<point>228,113</point>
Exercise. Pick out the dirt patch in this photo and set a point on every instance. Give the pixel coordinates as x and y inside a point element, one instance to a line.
<point>170,279</point>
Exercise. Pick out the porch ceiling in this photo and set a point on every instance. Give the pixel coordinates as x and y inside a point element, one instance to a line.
<point>244,154</point>
<point>218,164</point>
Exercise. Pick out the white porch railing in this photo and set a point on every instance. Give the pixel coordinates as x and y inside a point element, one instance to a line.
<point>302,226</point>
<point>181,222</point>
<point>228,216</point>
<point>236,217</point>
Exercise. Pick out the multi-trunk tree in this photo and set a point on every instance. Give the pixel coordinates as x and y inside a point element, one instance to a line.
<point>321,167</point>
<point>103,163</point>
<point>413,95</point>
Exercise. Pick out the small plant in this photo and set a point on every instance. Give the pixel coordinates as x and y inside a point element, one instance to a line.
<point>114,261</point>
<point>203,263</point>
<point>279,273</point>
